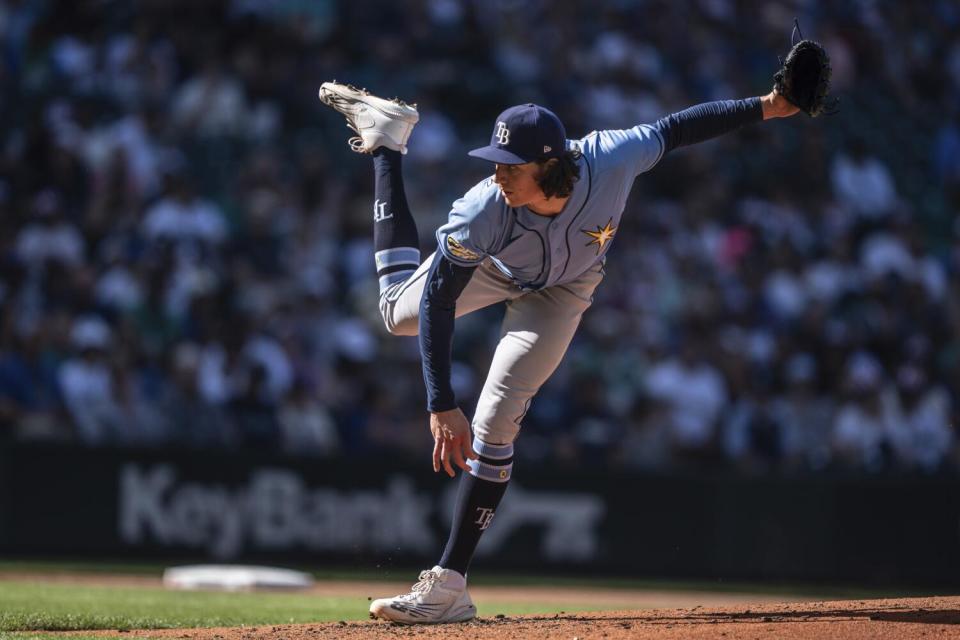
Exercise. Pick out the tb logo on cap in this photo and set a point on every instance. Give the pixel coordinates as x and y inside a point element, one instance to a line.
<point>503,134</point>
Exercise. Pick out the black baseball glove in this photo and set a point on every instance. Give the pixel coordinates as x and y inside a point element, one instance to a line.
<point>804,78</point>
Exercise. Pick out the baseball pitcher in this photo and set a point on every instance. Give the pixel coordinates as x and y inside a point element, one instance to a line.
<point>533,236</point>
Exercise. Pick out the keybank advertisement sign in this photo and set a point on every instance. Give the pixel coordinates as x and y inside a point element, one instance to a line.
<point>60,501</point>
<point>275,510</point>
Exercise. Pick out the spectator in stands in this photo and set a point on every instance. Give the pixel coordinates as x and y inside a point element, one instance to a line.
<point>307,428</point>
<point>695,392</point>
<point>254,412</point>
<point>864,427</point>
<point>192,224</point>
<point>922,412</point>
<point>805,414</point>
<point>88,387</point>
<point>210,104</point>
<point>863,182</point>
<point>49,237</point>
<point>191,420</point>
<point>29,397</point>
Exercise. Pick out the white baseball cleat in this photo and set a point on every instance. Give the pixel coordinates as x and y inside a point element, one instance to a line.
<point>440,596</point>
<point>378,122</point>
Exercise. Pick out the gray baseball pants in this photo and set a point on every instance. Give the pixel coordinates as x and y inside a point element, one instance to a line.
<point>537,329</point>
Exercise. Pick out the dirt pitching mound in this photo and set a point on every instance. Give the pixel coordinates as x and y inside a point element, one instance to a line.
<point>937,617</point>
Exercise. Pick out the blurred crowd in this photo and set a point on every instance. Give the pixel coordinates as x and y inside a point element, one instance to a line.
<point>186,255</point>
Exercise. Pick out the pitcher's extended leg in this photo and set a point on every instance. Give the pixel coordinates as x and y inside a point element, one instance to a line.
<point>395,240</point>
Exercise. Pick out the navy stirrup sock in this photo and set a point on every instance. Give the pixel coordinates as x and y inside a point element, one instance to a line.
<point>478,496</point>
<point>395,239</point>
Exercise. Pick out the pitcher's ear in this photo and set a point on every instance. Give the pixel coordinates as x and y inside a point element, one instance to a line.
<point>548,165</point>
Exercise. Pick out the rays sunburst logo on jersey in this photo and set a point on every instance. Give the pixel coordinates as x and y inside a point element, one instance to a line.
<point>601,236</point>
<point>460,251</point>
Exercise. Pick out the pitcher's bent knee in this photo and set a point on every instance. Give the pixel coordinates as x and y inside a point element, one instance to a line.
<point>490,428</point>
<point>408,327</point>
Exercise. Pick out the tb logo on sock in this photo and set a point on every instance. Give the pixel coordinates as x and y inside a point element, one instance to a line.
<point>380,211</point>
<point>486,517</point>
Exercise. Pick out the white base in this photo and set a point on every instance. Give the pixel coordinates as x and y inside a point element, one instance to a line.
<point>234,578</point>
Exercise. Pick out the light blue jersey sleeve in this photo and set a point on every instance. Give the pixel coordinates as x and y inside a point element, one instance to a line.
<point>474,226</point>
<point>633,151</point>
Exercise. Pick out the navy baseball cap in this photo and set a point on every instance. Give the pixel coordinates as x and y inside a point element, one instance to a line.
<point>522,134</point>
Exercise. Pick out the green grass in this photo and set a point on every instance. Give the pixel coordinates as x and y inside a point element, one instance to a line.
<point>33,606</point>
<point>30,606</point>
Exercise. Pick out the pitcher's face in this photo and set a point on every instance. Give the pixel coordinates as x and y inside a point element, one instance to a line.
<point>518,183</point>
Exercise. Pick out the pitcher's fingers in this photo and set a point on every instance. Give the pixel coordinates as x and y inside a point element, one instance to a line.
<point>445,458</point>
<point>436,455</point>
<point>458,456</point>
